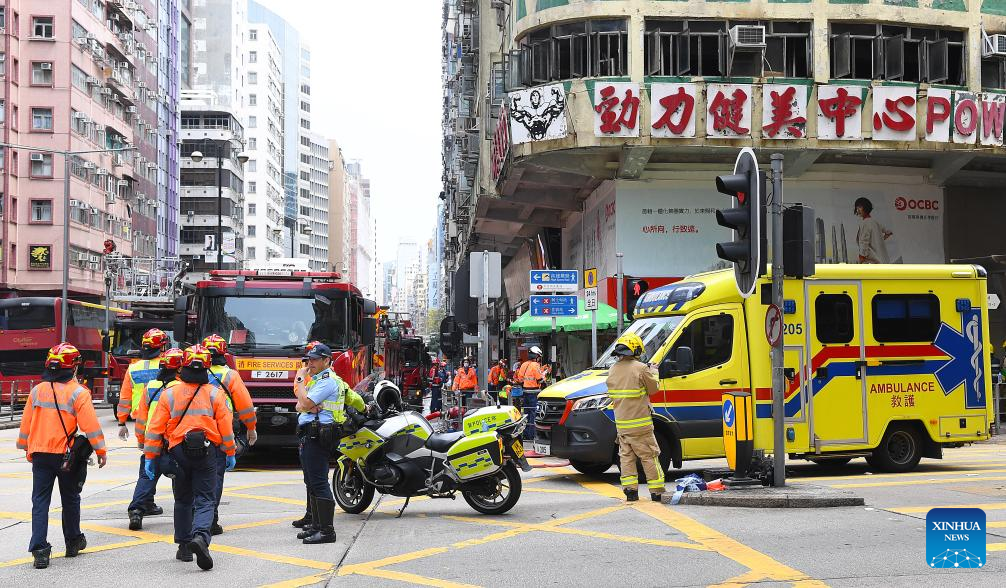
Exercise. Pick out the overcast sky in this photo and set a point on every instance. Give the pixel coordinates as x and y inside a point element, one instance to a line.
<point>375,88</point>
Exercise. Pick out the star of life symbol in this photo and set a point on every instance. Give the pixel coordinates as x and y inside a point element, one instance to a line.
<point>965,364</point>
<point>956,558</point>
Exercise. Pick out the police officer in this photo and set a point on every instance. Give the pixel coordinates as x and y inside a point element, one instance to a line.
<point>134,384</point>
<point>630,383</point>
<point>54,410</point>
<point>170,363</point>
<point>238,400</point>
<point>321,401</point>
<point>192,419</point>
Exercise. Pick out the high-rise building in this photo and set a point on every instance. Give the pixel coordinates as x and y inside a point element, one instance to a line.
<point>264,198</point>
<point>77,77</point>
<point>313,203</point>
<point>174,50</point>
<point>338,219</point>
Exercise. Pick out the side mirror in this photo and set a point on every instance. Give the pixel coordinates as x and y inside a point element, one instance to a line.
<point>369,307</point>
<point>179,330</point>
<point>106,342</point>
<point>682,364</point>
<point>369,334</point>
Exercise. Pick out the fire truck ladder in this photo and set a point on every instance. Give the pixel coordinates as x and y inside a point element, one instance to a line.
<point>139,281</point>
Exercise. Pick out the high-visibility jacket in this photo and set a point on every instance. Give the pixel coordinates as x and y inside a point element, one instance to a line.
<point>148,404</point>
<point>630,383</point>
<point>497,375</point>
<point>336,405</point>
<point>138,375</point>
<point>529,375</point>
<point>208,412</point>
<point>466,380</point>
<point>41,431</point>
<point>238,397</point>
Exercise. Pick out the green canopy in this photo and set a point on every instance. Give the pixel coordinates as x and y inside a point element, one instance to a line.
<point>607,318</point>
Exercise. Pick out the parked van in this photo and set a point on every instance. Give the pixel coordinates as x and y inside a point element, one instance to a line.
<point>888,362</point>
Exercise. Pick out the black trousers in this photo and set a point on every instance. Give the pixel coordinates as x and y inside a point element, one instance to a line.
<point>314,458</point>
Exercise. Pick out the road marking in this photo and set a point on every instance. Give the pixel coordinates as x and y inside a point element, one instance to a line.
<point>996,524</point>
<point>957,472</point>
<point>284,559</point>
<point>299,582</point>
<point>411,578</point>
<point>256,524</point>
<point>558,491</point>
<point>996,547</point>
<point>918,509</point>
<point>89,549</point>
<point>917,482</point>
<point>261,497</point>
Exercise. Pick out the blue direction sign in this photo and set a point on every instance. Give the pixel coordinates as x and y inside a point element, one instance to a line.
<point>553,305</point>
<point>555,281</point>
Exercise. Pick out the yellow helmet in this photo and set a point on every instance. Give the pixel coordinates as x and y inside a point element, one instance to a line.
<point>628,344</point>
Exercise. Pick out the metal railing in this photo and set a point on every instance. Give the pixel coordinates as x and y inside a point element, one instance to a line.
<point>13,397</point>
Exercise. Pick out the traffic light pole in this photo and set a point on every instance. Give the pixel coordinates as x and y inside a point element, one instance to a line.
<point>620,292</point>
<point>778,373</point>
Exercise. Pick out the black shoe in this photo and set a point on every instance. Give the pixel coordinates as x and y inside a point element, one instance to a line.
<point>655,497</point>
<point>303,521</point>
<point>307,532</point>
<point>152,510</point>
<point>324,513</point>
<point>321,536</point>
<point>216,529</point>
<point>75,546</point>
<point>631,495</point>
<point>41,557</point>
<point>135,520</point>
<point>199,548</point>
<point>183,553</point>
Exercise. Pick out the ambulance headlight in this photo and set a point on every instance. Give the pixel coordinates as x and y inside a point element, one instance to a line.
<point>596,402</point>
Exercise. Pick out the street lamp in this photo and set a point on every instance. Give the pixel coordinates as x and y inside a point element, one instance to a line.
<point>197,156</point>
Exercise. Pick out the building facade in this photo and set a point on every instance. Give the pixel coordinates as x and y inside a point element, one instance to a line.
<point>616,117</point>
<point>174,39</point>
<point>313,203</point>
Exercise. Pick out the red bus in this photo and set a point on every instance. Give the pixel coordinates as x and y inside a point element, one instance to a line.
<point>29,327</point>
<point>127,335</point>
<point>267,318</point>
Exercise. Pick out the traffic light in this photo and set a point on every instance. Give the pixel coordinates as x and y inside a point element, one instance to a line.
<point>747,219</point>
<point>634,289</point>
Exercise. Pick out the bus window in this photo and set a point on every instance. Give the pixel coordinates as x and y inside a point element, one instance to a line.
<point>27,316</point>
<point>711,339</point>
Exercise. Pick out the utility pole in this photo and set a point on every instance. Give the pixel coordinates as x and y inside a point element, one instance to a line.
<point>778,373</point>
<point>620,293</point>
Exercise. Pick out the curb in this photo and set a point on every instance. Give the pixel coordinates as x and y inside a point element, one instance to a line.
<point>8,424</point>
<point>798,496</point>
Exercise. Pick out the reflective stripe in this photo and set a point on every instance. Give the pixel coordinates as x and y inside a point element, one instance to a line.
<point>154,448</point>
<point>659,482</point>
<point>246,411</point>
<point>633,423</point>
<point>192,412</point>
<point>153,437</point>
<point>627,480</point>
<point>95,434</point>
<point>76,394</point>
<point>227,438</point>
<point>99,445</point>
<point>626,393</point>
<point>63,407</point>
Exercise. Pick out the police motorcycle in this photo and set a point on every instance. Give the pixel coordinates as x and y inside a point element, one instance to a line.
<point>396,452</point>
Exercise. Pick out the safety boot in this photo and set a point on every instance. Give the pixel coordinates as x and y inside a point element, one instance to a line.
<point>313,524</point>
<point>183,553</point>
<point>655,497</point>
<point>135,520</point>
<point>152,509</point>
<point>76,545</point>
<point>42,557</point>
<point>306,519</point>
<point>325,513</point>
<point>215,528</point>
<point>631,494</point>
<point>201,550</point>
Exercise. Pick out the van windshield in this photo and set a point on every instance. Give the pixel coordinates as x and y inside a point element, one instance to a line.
<point>653,331</point>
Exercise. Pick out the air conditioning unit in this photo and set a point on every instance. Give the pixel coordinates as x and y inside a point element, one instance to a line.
<point>994,46</point>
<point>74,203</point>
<point>110,198</point>
<point>95,259</point>
<point>105,92</point>
<point>37,157</point>
<point>131,109</point>
<point>89,165</point>
<point>747,37</point>
<point>102,172</point>
<point>122,183</point>
<point>80,41</point>
<point>151,165</point>
<point>45,65</point>
<point>79,116</point>
<point>124,37</point>
<point>94,266</point>
<point>91,37</point>
<point>92,81</point>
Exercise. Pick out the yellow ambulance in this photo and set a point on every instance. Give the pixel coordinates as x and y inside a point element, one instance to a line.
<point>887,362</point>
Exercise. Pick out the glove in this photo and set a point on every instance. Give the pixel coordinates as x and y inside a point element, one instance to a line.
<point>252,437</point>
<point>232,462</point>
<point>148,468</point>
<point>123,432</point>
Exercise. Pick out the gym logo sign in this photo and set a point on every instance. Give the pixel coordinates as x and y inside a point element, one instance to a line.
<point>955,538</point>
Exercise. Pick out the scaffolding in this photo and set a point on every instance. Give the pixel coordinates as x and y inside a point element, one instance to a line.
<point>139,281</point>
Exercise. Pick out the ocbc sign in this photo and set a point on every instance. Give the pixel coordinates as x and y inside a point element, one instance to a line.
<point>902,203</point>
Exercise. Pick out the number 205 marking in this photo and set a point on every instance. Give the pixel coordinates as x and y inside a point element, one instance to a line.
<point>793,329</point>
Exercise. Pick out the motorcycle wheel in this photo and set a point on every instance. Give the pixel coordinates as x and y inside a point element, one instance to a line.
<point>352,493</point>
<point>504,495</point>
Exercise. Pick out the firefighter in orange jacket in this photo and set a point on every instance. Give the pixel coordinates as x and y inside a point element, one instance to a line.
<point>239,401</point>
<point>497,378</point>
<point>193,420</point>
<point>55,409</point>
<point>466,381</point>
<point>530,377</point>
<point>137,376</point>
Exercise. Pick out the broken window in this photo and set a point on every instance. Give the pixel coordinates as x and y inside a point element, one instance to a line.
<point>570,50</point>
<point>889,52</point>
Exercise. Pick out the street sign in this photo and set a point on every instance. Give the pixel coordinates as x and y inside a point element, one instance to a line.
<point>549,305</point>
<point>590,278</point>
<point>554,281</point>
<point>993,301</point>
<point>590,299</point>
<point>773,325</point>
<point>476,272</point>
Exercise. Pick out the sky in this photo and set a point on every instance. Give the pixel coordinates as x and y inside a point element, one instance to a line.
<point>376,89</point>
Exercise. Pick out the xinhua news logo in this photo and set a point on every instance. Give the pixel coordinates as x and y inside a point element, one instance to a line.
<point>955,538</point>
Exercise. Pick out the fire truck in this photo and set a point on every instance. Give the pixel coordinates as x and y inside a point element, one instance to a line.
<point>267,316</point>
<point>406,360</point>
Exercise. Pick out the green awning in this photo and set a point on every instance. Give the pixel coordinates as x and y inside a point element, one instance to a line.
<point>607,318</point>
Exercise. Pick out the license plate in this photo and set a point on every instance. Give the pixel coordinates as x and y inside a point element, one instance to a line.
<point>518,448</point>
<point>269,375</point>
<point>542,449</point>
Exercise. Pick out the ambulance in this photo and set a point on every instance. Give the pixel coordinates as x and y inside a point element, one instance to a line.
<point>886,362</point>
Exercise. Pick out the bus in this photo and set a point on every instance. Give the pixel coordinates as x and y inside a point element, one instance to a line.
<point>267,317</point>
<point>30,326</point>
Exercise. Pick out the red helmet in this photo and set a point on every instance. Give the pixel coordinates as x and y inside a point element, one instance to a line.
<point>216,344</point>
<point>155,339</point>
<point>172,359</point>
<point>62,356</point>
<point>197,357</point>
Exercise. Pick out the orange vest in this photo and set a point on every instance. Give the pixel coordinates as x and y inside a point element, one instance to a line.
<point>41,430</point>
<point>530,375</point>
<point>208,412</point>
<point>496,375</point>
<point>466,380</point>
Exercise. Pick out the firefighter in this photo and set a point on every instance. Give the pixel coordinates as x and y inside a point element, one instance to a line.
<point>530,378</point>
<point>466,381</point>
<point>170,363</point>
<point>630,383</point>
<point>322,398</point>
<point>54,410</point>
<point>497,377</point>
<point>238,399</point>
<point>193,420</point>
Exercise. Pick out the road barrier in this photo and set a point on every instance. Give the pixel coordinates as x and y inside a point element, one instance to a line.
<point>13,396</point>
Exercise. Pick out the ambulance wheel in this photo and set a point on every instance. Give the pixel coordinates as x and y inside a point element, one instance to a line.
<point>496,495</point>
<point>352,493</point>
<point>899,451</point>
<point>832,462</point>
<point>589,468</point>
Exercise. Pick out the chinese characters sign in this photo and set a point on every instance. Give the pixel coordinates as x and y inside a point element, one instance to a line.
<point>728,115</point>
<point>40,256</point>
<point>784,111</point>
<point>672,110</point>
<point>616,109</point>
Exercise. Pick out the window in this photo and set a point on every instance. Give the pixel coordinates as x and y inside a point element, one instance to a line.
<point>252,188</point>
<point>253,57</point>
<point>251,250</point>
<point>252,78</point>
<point>833,318</point>
<point>41,211</point>
<point>252,122</point>
<point>252,143</point>
<point>252,165</point>
<point>251,209</point>
<point>3,64</point>
<point>253,35</point>
<point>305,106</point>
<point>905,318</point>
<point>41,165</point>
<point>253,100</point>
<point>41,73</point>
<point>78,30</point>
<point>78,78</point>
<point>570,50</point>
<point>305,249</point>
<point>889,52</point>
<point>251,230</point>
<point>42,27</point>
<point>305,124</point>
<point>710,338</point>
<point>41,119</point>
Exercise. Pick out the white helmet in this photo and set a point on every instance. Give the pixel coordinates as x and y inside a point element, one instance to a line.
<point>388,396</point>
<point>536,351</point>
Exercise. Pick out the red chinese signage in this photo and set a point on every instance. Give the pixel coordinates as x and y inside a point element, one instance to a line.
<point>501,144</point>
